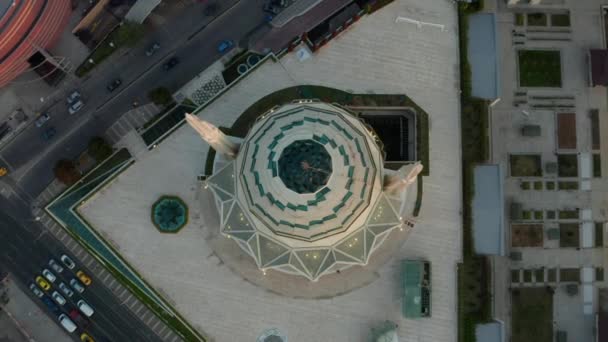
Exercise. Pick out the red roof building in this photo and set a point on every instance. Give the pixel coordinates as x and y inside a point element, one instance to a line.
<point>25,27</point>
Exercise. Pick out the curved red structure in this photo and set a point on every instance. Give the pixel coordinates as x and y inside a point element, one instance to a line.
<point>25,26</point>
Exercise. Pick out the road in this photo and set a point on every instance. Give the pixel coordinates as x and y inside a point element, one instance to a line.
<point>32,159</point>
<point>25,250</point>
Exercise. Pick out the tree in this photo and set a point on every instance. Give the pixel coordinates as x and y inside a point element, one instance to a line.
<point>128,33</point>
<point>160,96</point>
<point>99,149</point>
<point>66,172</point>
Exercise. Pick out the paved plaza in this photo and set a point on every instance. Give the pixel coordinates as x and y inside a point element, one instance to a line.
<point>378,54</point>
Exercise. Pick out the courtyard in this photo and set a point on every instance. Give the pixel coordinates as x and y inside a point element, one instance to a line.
<point>215,299</point>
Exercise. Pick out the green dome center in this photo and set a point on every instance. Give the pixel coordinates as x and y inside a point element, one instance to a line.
<point>304,166</point>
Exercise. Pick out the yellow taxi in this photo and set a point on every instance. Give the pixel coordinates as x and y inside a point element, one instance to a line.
<point>85,279</point>
<point>86,338</point>
<point>43,283</point>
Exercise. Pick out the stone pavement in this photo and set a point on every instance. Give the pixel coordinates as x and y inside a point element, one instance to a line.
<point>370,56</point>
<point>32,323</point>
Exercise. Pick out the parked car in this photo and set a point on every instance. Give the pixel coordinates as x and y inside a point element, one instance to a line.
<point>66,290</point>
<point>75,106</point>
<point>42,283</point>
<point>114,84</point>
<point>67,323</point>
<point>67,261</point>
<point>36,290</point>
<point>172,62</point>
<point>42,119</point>
<point>86,338</point>
<point>49,275</point>
<point>51,305</point>
<point>224,46</point>
<point>55,266</point>
<point>80,320</point>
<point>84,278</point>
<point>152,49</point>
<point>76,285</point>
<point>75,95</point>
<point>49,133</point>
<point>85,308</point>
<point>58,298</point>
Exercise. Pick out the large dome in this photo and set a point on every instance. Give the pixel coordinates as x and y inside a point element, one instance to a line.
<point>305,195</point>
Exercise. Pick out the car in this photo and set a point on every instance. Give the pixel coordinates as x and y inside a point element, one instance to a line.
<point>42,283</point>
<point>67,261</point>
<point>67,323</point>
<point>49,133</point>
<point>36,290</point>
<point>74,95</point>
<point>42,119</point>
<point>114,84</point>
<point>152,49</point>
<point>58,298</point>
<point>55,266</point>
<point>75,107</point>
<point>224,46</point>
<point>172,62</point>
<point>76,285</point>
<point>66,290</point>
<point>49,275</point>
<point>51,305</point>
<point>86,338</point>
<point>85,308</point>
<point>84,278</point>
<point>79,319</point>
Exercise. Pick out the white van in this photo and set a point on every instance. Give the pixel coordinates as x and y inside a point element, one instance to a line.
<point>67,323</point>
<point>85,308</point>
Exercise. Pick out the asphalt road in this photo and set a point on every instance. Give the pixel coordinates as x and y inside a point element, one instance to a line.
<point>32,159</point>
<point>24,251</point>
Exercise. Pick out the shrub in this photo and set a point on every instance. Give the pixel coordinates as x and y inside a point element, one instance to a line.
<point>66,172</point>
<point>99,149</point>
<point>160,96</point>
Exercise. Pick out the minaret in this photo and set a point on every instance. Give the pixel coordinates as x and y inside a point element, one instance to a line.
<point>213,136</point>
<point>404,177</point>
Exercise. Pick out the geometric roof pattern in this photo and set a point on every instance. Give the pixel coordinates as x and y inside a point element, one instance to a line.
<point>309,234</point>
<point>347,183</point>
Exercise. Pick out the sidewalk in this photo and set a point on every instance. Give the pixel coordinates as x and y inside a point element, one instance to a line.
<point>30,318</point>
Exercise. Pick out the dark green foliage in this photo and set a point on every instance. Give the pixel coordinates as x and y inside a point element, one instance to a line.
<point>99,149</point>
<point>160,96</point>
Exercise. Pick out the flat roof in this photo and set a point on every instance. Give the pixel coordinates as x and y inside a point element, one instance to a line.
<point>488,210</point>
<point>482,56</point>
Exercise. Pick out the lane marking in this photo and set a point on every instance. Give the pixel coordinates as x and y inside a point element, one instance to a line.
<point>141,307</point>
<point>150,320</point>
<point>155,325</point>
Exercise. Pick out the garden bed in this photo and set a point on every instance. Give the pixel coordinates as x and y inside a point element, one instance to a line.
<point>567,165</point>
<point>537,19</point>
<point>527,235</point>
<point>539,68</point>
<point>532,315</point>
<point>526,165</point>
<point>569,235</point>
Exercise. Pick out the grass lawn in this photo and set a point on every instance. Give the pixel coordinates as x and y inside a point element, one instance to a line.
<point>550,185</point>
<point>539,68</point>
<point>532,315</point>
<point>524,185</point>
<point>537,19</point>
<point>538,185</point>
<point>560,20</point>
<point>568,214</point>
<point>569,235</point>
<point>567,165</point>
<point>519,19</point>
<point>526,235</point>
<point>525,165</point>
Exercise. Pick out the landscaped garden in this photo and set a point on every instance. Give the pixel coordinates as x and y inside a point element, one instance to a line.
<point>525,165</point>
<point>560,20</point>
<point>532,314</point>
<point>537,19</point>
<point>539,68</point>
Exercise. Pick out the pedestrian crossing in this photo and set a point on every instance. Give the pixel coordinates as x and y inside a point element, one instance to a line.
<point>134,119</point>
